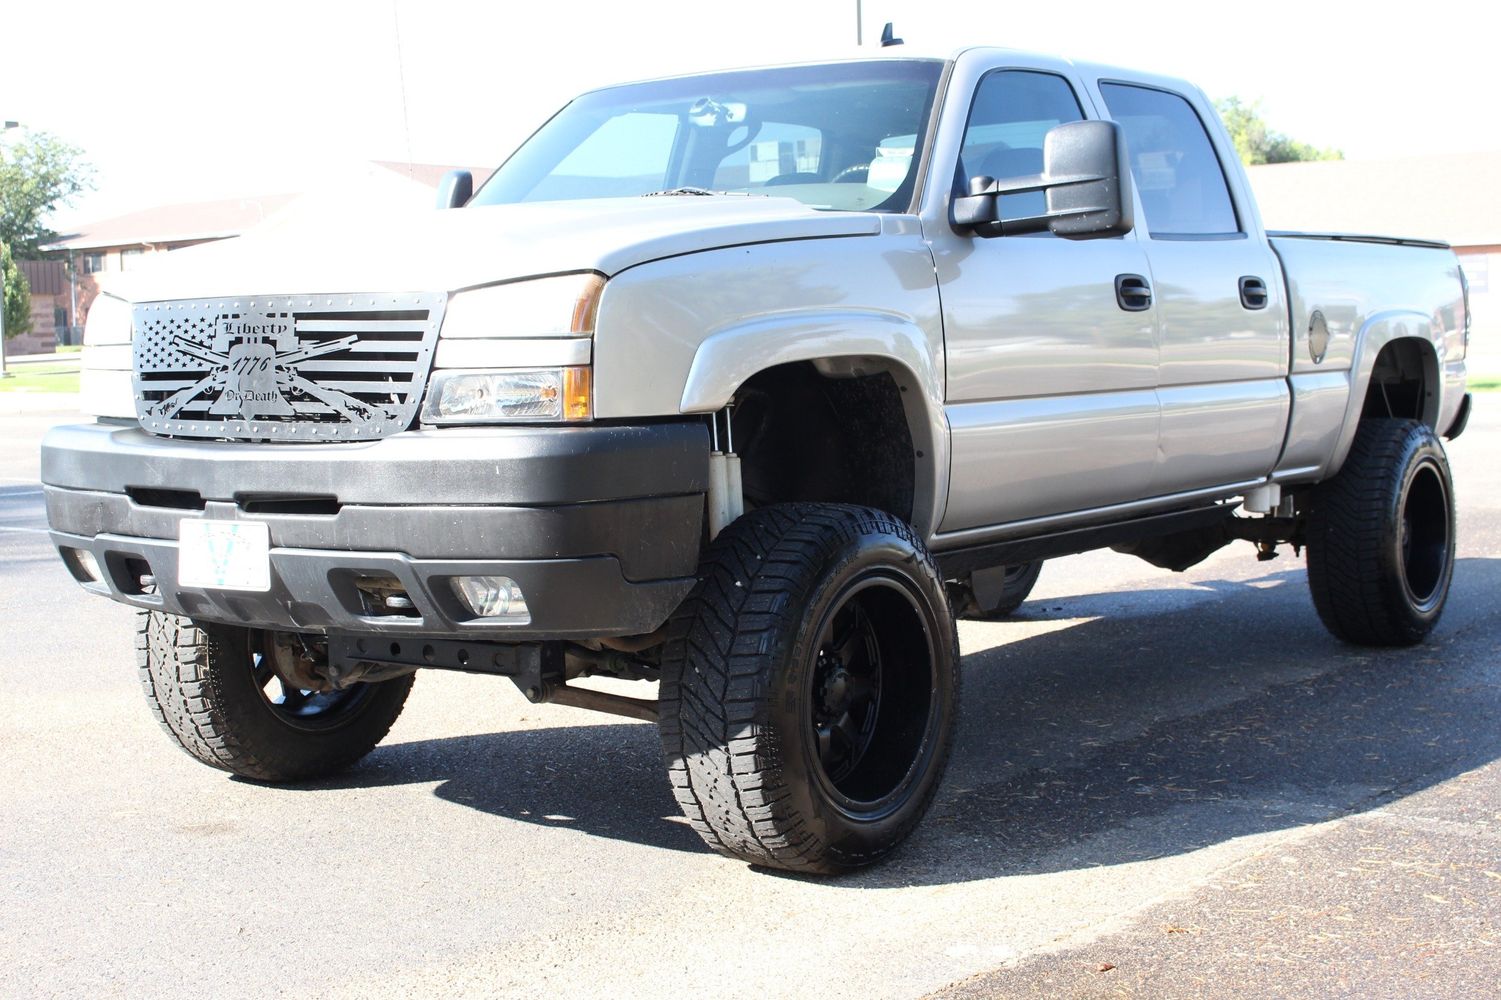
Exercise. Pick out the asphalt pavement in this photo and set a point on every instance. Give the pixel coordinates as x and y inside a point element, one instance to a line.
<point>1164,785</point>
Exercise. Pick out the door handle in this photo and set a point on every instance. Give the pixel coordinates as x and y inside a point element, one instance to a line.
<point>1253,293</point>
<point>1133,292</point>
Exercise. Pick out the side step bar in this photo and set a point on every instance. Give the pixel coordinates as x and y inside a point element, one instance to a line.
<point>955,564</point>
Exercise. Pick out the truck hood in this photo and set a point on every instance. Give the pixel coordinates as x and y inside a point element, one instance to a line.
<point>448,250</point>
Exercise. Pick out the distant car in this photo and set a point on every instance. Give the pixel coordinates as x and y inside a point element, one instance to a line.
<point>728,381</point>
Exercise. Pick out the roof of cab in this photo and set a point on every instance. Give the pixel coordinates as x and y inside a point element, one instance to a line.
<point>1024,57</point>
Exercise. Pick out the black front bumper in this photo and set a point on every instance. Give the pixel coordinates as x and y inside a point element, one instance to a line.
<point>600,526</point>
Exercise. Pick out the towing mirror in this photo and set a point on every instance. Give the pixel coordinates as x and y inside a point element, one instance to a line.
<point>1085,178</point>
<point>455,189</point>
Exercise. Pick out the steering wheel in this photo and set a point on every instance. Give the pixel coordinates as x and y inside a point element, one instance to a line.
<point>847,175</point>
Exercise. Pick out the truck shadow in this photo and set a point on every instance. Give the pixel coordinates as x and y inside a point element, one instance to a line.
<point>1187,720</point>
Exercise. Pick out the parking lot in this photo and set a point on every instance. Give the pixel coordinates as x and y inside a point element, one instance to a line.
<point>1164,785</point>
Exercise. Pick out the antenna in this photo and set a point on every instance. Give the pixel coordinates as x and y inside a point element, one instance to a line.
<point>401,72</point>
<point>887,38</point>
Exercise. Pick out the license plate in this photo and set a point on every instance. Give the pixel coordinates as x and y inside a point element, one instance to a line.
<point>224,555</point>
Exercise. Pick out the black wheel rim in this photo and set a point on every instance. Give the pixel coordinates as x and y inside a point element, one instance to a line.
<point>871,697</point>
<point>299,707</point>
<point>1017,572</point>
<point>1425,543</point>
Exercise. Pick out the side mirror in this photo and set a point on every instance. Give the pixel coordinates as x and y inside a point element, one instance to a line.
<point>455,189</point>
<point>1085,177</point>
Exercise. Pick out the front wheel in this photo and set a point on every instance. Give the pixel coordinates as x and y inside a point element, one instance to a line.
<point>1381,537</point>
<point>234,698</point>
<point>809,688</point>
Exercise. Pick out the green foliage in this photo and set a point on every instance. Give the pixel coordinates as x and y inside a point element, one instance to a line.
<point>17,295</point>
<point>1256,143</point>
<point>38,172</point>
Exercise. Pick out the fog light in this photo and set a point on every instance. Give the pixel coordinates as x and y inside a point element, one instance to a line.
<point>493,597</point>
<point>83,564</point>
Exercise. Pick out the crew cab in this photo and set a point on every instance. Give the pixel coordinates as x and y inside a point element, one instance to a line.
<point>745,385</point>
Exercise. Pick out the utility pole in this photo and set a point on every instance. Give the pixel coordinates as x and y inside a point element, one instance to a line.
<point>859,25</point>
<point>4,127</point>
<point>3,372</point>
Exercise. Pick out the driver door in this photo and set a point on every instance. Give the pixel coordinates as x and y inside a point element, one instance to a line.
<point>1051,397</point>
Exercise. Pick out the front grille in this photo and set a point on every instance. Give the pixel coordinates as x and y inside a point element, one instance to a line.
<point>284,368</point>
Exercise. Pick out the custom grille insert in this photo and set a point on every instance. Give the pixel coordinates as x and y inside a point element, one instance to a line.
<point>284,368</point>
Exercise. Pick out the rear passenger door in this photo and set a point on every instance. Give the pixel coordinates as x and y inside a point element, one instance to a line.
<point>1222,382</point>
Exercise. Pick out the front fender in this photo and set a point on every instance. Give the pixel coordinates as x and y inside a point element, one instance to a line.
<point>729,357</point>
<point>841,342</point>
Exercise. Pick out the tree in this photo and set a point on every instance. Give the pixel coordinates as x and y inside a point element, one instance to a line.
<point>1256,143</point>
<point>38,172</point>
<point>17,295</point>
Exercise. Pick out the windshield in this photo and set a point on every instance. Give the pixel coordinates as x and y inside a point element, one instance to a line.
<point>840,136</point>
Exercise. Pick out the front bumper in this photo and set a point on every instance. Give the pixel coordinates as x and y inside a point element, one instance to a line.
<point>600,526</point>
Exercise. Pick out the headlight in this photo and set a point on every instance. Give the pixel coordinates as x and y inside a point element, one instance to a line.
<point>564,306</point>
<point>105,378</point>
<point>544,395</point>
<point>516,352</point>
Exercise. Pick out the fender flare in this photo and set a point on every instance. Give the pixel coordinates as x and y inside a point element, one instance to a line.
<point>859,342</point>
<point>1379,331</point>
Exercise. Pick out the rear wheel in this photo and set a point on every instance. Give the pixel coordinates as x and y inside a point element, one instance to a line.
<point>810,687</point>
<point>992,594</point>
<point>1381,537</point>
<point>238,699</point>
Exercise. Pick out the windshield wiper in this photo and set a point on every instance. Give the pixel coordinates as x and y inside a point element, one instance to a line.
<point>701,192</point>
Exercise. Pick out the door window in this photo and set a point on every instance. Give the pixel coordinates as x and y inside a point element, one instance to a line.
<point>1182,187</point>
<point>1012,112</point>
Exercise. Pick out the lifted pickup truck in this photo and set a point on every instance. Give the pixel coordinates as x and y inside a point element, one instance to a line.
<point>747,384</point>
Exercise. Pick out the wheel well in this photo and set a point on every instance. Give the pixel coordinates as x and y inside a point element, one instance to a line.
<point>1402,384</point>
<point>802,435</point>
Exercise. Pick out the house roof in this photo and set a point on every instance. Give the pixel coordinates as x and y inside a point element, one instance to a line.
<point>183,223</point>
<point>1448,197</point>
<point>431,174</point>
<point>213,220</point>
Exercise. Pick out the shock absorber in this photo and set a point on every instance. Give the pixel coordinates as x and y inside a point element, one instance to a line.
<point>726,498</point>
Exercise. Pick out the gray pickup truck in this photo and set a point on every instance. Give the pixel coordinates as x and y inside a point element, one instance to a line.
<point>747,385</point>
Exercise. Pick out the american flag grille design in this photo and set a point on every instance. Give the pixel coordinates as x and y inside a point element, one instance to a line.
<point>284,368</point>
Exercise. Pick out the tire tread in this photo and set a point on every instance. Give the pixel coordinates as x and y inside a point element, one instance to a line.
<point>183,672</point>
<point>1349,528</point>
<point>713,697</point>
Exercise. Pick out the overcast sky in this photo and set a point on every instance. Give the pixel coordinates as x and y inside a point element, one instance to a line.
<point>189,101</point>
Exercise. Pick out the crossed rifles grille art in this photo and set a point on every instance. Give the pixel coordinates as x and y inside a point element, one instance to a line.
<point>252,359</point>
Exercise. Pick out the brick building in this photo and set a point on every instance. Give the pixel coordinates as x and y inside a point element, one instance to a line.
<point>91,254</point>
<point>94,251</point>
<point>51,307</point>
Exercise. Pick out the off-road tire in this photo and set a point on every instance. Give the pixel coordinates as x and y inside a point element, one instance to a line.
<point>1020,579</point>
<point>738,709</point>
<point>200,684</point>
<point>1381,536</point>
